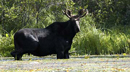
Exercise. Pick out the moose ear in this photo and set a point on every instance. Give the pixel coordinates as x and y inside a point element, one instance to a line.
<point>82,12</point>
<point>67,13</point>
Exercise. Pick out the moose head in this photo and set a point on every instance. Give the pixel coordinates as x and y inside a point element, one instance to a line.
<point>74,19</point>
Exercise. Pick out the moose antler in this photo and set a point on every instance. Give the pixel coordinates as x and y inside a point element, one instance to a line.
<point>67,13</point>
<point>81,12</point>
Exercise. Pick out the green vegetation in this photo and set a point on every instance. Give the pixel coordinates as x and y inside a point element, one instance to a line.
<point>6,45</point>
<point>104,31</point>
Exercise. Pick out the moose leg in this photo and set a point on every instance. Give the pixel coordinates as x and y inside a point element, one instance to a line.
<point>66,55</point>
<point>60,55</point>
<point>17,55</point>
<point>24,45</point>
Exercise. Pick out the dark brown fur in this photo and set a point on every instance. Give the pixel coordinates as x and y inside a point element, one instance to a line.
<point>54,39</point>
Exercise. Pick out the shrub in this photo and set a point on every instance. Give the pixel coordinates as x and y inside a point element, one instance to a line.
<point>6,44</point>
<point>96,41</point>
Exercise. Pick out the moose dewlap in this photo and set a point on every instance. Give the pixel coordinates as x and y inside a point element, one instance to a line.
<point>54,39</point>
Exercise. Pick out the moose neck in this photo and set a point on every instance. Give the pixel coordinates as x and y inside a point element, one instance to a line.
<point>69,31</point>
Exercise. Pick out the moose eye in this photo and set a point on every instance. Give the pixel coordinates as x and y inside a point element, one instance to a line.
<point>77,19</point>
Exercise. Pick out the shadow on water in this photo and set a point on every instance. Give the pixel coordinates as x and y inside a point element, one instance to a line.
<point>26,58</point>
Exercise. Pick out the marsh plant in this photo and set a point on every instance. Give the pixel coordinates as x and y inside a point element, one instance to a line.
<point>96,41</point>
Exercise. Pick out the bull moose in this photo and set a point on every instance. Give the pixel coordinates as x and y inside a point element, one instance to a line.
<point>54,39</point>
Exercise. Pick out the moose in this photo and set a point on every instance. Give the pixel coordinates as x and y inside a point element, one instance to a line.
<point>54,39</point>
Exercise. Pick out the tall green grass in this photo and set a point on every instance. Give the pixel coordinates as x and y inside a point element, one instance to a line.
<point>97,41</point>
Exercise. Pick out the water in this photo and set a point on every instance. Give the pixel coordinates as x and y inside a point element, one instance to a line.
<point>26,58</point>
<point>50,63</point>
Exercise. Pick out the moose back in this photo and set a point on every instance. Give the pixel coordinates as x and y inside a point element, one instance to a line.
<point>54,39</point>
